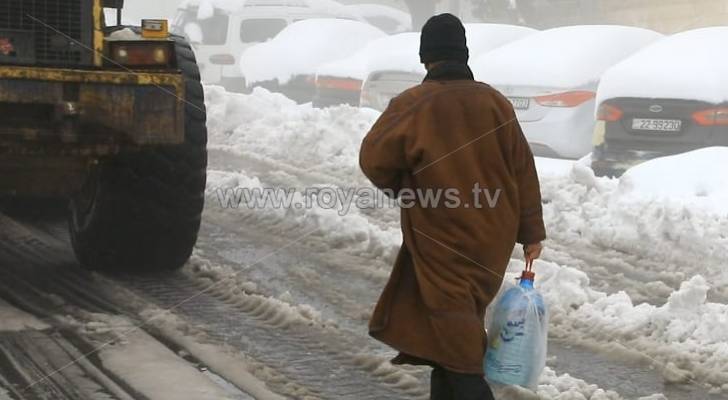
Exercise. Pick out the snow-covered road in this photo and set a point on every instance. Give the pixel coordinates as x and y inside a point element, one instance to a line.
<point>622,271</point>
<point>273,318</point>
<point>274,302</point>
<point>62,337</point>
<point>339,281</point>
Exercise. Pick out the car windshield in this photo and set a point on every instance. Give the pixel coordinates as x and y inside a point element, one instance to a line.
<point>260,29</point>
<point>212,30</point>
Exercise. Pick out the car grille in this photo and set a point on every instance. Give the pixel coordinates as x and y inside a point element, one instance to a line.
<point>59,31</point>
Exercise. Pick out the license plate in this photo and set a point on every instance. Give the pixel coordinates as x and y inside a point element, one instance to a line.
<point>520,103</point>
<point>657,125</point>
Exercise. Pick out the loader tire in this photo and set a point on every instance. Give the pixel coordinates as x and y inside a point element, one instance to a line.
<point>141,211</point>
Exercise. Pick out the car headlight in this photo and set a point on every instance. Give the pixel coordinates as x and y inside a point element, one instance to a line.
<point>141,53</point>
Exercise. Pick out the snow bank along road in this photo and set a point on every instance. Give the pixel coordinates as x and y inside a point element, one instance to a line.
<point>274,302</point>
<point>626,270</point>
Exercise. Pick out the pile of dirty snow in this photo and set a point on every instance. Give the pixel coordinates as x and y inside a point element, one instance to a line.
<point>679,219</point>
<point>675,216</point>
<point>349,228</point>
<point>271,127</point>
<point>657,211</point>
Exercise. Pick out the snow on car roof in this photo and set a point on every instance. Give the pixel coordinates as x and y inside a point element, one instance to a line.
<point>401,52</point>
<point>566,57</point>
<point>689,65</point>
<point>483,38</point>
<point>303,46</point>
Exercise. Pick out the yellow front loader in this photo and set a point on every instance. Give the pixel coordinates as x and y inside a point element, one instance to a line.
<point>110,118</point>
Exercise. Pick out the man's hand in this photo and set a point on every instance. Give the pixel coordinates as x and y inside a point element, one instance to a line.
<point>532,252</point>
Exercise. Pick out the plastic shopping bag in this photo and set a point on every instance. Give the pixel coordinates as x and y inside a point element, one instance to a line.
<point>517,335</point>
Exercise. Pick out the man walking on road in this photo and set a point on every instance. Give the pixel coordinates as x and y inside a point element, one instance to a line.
<point>456,136</point>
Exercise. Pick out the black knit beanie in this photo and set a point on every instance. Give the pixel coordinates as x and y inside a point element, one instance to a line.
<point>443,38</point>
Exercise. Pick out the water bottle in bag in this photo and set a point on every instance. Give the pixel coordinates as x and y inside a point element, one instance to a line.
<point>517,336</point>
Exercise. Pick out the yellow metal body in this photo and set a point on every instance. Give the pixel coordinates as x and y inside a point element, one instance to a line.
<point>115,107</point>
<point>161,33</point>
<point>63,119</point>
<point>57,121</point>
<point>98,14</point>
<point>161,78</point>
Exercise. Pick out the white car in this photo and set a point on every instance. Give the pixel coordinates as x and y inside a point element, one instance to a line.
<point>389,76</point>
<point>552,77</point>
<point>288,63</point>
<point>221,30</point>
<point>340,82</point>
<point>654,104</point>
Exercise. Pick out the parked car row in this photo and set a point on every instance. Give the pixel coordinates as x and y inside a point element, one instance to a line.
<point>221,30</point>
<point>551,78</point>
<point>389,65</point>
<point>388,77</point>
<point>624,94</point>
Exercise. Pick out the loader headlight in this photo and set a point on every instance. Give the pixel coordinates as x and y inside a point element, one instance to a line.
<point>141,54</point>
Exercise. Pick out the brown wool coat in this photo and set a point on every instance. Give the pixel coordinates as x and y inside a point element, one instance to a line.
<point>445,135</point>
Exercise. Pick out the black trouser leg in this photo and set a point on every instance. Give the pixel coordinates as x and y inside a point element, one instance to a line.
<point>439,386</point>
<point>447,385</point>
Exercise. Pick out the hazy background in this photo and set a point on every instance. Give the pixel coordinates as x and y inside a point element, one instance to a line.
<point>667,16</point>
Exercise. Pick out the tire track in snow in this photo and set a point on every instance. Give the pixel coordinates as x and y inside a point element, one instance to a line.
<point>319,358</point>
<point>39,275</point>
<point>325,361</point>
<point>611,271</point>
<point>604,266</point>
<point>267,314</point>
<point>644,279</point>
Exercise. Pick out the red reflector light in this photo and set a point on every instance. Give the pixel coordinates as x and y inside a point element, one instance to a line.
<point>352,85</point>
<point>712,117</point>
<point>566,99</point>
<point>609,113</point>
<point>141,53</point>
<point>222,59</point>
